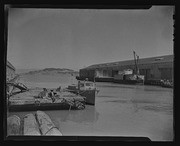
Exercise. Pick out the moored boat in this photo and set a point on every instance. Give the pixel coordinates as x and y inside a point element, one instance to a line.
<point>128,78</point>
<point>86,89</point>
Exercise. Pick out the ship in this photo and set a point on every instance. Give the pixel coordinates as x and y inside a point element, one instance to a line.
<point>126,76</point>
<point>130,76</point>
<point>21,98</point>
<point>86,89</point>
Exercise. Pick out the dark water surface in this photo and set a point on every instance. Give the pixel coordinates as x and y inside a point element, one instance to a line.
<point>120,110</point>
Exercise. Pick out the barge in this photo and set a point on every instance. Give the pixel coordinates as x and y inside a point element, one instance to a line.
<point>43,106</point>
<point>36,99</point>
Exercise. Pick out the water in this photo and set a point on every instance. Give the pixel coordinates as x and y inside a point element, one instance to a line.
<point>120,110</point>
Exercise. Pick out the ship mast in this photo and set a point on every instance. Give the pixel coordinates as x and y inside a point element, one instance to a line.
<point>136,62</point>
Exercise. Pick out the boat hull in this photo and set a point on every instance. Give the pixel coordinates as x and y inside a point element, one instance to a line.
<point>89,94</point>
<point>44,106</point>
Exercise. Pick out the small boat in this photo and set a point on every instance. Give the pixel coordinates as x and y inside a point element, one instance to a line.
<point>130,76</point>
<point>129,79</point>
<point>86,89</point>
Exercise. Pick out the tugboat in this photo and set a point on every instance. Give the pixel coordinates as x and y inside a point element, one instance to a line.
<point>85,88</point>
<point>128,77</point>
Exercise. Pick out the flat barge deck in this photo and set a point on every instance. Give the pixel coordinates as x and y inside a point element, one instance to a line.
<point>29,101</point>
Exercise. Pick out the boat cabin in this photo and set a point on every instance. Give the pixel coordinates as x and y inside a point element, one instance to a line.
<point>86,85</point>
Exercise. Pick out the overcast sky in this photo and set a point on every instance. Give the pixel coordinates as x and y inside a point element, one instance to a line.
<point>77,38</point>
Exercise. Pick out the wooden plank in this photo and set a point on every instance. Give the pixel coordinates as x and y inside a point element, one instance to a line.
<point>46,126</point>
<point>13,125</point>
<point>30,125</point>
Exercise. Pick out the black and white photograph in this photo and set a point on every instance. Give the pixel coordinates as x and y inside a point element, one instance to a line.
<point>90,72</point>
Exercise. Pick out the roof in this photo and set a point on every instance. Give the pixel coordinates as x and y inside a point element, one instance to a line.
<point>158,59</point>
<point>10,65</point>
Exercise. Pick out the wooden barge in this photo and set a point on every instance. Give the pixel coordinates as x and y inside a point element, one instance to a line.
<point>44,106</point>
<point>30,101</point>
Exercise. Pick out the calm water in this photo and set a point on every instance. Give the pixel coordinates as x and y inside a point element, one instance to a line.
<point>120,110</point>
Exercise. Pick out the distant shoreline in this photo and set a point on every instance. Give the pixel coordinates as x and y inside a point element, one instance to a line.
<point>49,71</point>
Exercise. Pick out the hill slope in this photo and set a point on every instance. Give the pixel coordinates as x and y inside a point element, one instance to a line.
<point>50,71</point>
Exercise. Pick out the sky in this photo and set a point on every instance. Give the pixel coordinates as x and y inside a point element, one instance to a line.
<point>77,38</point>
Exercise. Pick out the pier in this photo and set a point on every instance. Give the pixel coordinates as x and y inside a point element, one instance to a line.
<point>154,69</point>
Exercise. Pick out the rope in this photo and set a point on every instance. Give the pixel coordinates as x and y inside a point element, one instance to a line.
<point>82,92</point>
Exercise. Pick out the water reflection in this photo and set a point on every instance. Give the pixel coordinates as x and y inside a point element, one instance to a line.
<point>88,115</point>
<point>107,96</point>
<point>139,98</point>
<point>159,108</point>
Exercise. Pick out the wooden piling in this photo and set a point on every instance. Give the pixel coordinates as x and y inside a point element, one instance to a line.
<point>46,126</point>
<point>30,125</point>
<point>13,125</point>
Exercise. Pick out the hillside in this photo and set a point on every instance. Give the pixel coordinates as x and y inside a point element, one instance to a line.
<point>50,71</point>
